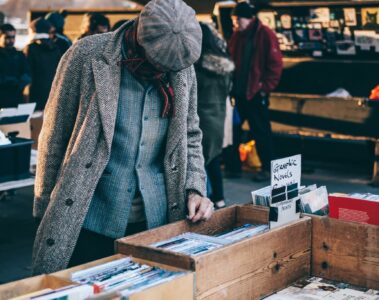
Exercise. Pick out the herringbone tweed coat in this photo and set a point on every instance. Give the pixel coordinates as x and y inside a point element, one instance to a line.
<point>76,138</point>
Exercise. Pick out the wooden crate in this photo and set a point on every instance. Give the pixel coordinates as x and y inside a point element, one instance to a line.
<point>30,285</point>
<point>248,269</point>
<point>179,288</point>
<point>345,251</point>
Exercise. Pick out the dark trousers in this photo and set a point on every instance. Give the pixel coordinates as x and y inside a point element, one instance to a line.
<point>256,112</point>
<point>92,246</point>
<point>215,178</point>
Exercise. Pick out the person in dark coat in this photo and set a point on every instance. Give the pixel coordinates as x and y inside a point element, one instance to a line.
<point>256,54</point>
<point>94,23</point>
<point>214,75</point>
<point>14,69</point>
<point>57,21</point>
<point>43,57</point>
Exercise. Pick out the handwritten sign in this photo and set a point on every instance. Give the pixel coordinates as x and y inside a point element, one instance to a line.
<point>286,171</point>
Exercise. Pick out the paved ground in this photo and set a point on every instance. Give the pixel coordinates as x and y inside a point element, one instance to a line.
<point>17,227</point>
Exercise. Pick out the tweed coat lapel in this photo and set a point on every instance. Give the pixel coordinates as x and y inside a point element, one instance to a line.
<point>107,83</point>
<point>178,82</point>
<point>107,75</point>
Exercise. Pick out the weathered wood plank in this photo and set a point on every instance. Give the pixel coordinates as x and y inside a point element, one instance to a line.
<point>262,282</point>
<point>273,249</point>
<point>345,251</point>
<point>30,285</point>
<point>246,215</point>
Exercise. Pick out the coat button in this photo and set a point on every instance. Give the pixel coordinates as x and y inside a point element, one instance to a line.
<point>174,205</point>
<point>174,168</point>
<point>88,165</point>
<point>50,242</point>
<point>69,202</point>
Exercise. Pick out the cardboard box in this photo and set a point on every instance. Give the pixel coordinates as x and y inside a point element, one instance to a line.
<point>22,128</point>
<point>30,285</point>
<point>179,288</point>
<point>248,269</point>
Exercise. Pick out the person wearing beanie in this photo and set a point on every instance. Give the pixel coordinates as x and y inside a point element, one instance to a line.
<point>43,57</point>
<point>256,54</point>
<point>120,148</point>
<point>57,21</point>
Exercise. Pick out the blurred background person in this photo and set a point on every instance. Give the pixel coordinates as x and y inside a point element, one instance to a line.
<point>256,54</point>
<point>57,21</point>
<point>14,69</point>
<point>43,57</point>
<point>118,24</point>
<point>214,76</point>
<point>94,23</point>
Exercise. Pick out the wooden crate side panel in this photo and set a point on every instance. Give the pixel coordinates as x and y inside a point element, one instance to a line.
<point>181,288</point>
<point>222,219</point>
<point>262,282</point>
<point>272,249</point>
<point>30,285</point>
<point>252,214</point>
<point>346,251</point>
<point>161,256</point>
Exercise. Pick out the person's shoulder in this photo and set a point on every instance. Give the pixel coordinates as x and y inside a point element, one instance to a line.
<point>29,48</point>
<point>93,44</point>
<point>87,48</point>
<point>19,53</point>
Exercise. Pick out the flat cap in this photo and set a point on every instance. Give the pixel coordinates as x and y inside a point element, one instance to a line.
<point>170,34</point>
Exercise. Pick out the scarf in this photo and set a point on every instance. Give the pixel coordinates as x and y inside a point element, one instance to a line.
<point>139,66</point>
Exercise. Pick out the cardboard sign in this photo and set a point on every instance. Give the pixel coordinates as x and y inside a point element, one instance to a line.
<point>286,171</point>
<point>285,182</point>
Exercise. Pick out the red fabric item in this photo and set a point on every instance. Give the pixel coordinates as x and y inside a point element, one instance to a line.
<point>375,93</point>
<point>267,60</point>
<point>138,65</point>
<point>355,210</point>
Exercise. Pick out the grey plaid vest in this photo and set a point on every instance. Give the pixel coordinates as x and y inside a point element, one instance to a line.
<point>136,162</point>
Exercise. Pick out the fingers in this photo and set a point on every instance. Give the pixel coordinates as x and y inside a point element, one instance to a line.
<point>209,212</point>
<point>193,204</point>
<point>204,210</point>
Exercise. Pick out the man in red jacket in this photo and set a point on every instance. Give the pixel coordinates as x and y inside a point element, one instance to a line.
<point>255,51</point>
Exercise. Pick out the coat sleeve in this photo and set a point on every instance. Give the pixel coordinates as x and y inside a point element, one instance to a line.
<point>196,178</point>
<point>274,63</point>
<point>59,119</point>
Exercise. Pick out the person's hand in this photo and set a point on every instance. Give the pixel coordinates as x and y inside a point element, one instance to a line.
<point>199,208</point>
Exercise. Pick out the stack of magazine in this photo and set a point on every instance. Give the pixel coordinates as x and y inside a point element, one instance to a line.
<point>122,277</point>
<point>72,292</point>
<point>313,199</point>
<point>194,244</point>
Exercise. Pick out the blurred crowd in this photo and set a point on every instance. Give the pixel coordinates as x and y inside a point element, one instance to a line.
<point>234,82</point>
<point>26,76</point>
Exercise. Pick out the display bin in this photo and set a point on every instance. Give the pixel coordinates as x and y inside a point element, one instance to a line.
<point>181,287</point>
<point>248,269</point>
<point>15,159</point>
<point>345,251</point>
<point>30,285</point>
